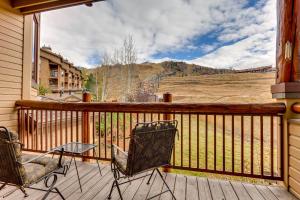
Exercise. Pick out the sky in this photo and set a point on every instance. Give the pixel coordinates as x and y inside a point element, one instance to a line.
<point>217,33</point>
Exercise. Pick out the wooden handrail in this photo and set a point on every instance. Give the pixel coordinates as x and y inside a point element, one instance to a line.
<point>205,108</point>
<point>296,108</point>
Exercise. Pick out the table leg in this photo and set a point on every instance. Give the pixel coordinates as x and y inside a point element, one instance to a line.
<point>77,174</point>
<point>97,160</point>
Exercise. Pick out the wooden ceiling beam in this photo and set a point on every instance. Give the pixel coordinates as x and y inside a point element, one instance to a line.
<point>26,3</point>
<point>53,4</point>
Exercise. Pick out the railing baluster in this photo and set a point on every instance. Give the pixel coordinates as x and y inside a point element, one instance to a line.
<point>224,142</point>
<point>251,145</point>
<point>261,146</point>
<point>61,127</point>
<point>46,130</point>
<point>41,139</point>
<point>72,126</point>
<point>232,142</point>
<point>36,128</point>
<point>105,141</point>
<point>77,126</point>
<point>32,129</point>
<point>242,143</point>
<point>215,142</point>
<point>66,126</point>
<point>99,134</point>
<point>198,141</point>
<point>51,131</point>
<point>111,129</point>
<point>94,132</point>
<point>56,137</point>
<point>206,141</point>
<point>124,130</point>
<point>27,122</point>
<point>272,143</point>
<point>190,145</point>
<point>118,129</point>
<point>174,148</point>
<point>181,139</point>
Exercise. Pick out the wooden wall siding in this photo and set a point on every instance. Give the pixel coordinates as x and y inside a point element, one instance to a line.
<point>294,157</point>
<point>11,61</point>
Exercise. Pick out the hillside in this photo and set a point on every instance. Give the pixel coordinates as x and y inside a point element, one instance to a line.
<point>220,88</point>
<point>189,82</point>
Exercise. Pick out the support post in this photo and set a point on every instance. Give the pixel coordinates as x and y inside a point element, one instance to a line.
<point>86,97</point>
<point>167,98</point>
<point>287,87</point>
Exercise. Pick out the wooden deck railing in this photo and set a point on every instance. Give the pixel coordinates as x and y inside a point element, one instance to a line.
<point>232,139</point>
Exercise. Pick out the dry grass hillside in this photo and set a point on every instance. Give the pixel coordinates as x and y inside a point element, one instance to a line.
<point>190,83</point>
<point>225,88</point>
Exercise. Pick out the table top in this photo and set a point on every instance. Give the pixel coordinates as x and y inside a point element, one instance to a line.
<point>75,147</point>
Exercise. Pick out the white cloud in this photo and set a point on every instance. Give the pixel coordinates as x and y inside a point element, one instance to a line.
<point>161,26</point>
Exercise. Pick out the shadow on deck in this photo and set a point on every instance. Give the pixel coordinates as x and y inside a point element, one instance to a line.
<point>184,187</point>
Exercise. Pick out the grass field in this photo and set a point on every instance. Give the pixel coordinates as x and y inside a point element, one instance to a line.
<point>221,88</point>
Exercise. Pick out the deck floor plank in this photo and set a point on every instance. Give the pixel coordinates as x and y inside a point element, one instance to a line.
<point>216,190</point>
<point>184,187</point>
<point>180,187</point>
<point>253,192</point>
<point>134,186</point>
<point>281,193</point>
<point>192,188</point>
<point>203,188</point>
<point>240,190</point>
<point>157,187</point>
<point>266,192</point>
<point>228,190</point>
<point>170,179</point>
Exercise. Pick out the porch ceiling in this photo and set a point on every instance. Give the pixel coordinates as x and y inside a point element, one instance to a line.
<point>34,6</point>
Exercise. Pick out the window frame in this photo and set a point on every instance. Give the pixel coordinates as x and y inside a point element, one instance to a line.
<point>35,50</point>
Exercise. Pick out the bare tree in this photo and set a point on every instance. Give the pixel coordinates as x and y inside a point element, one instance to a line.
<point>106,61</point>
<point>130,58</point>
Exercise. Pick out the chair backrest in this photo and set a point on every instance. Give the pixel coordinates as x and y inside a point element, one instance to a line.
<point>10,154</point>
<point>151,146</point>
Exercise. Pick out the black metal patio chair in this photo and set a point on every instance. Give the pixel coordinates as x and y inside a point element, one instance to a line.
<point>23,170</point>
<point>150,147</point>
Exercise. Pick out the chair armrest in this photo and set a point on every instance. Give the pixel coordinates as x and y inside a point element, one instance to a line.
<point>117,150</point>
<point>43,155</point>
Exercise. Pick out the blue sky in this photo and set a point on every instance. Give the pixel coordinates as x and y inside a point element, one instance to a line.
<point>216,33</point>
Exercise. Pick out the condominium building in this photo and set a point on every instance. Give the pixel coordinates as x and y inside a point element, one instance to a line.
<point>57,73</point>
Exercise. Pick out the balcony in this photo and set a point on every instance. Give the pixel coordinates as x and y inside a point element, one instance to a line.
<point>184,187</point>
<point>242,140</point>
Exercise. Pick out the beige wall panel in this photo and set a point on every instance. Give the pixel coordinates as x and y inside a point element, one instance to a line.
<point>295,152</point>
<point>9,117</point>
<point>11,20</point>
<point>295,185</point>
<point>294,129</point>
<point>11,39</point>
<point>295,163</point>
<point>12,72</point>
<point>8,85</point>
<point>10,59</point>
<point>295,141</point>
<point>10,33</point>
<point>11,53</point>
<point>11,63</point>
<point>8,45</point>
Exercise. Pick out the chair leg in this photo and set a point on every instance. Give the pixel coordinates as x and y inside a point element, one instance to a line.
<point>161,176</point>
<point>111,190</point>
<point>3,185</point>
<point>148,182</point>
<point>118,187</point>
<point>24,191</point>
<point>59,193</point>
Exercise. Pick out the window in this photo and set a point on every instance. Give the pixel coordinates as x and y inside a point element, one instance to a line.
<point>35,48</point>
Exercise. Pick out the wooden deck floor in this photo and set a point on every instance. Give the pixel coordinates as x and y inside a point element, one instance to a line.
<point>185,187</point>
